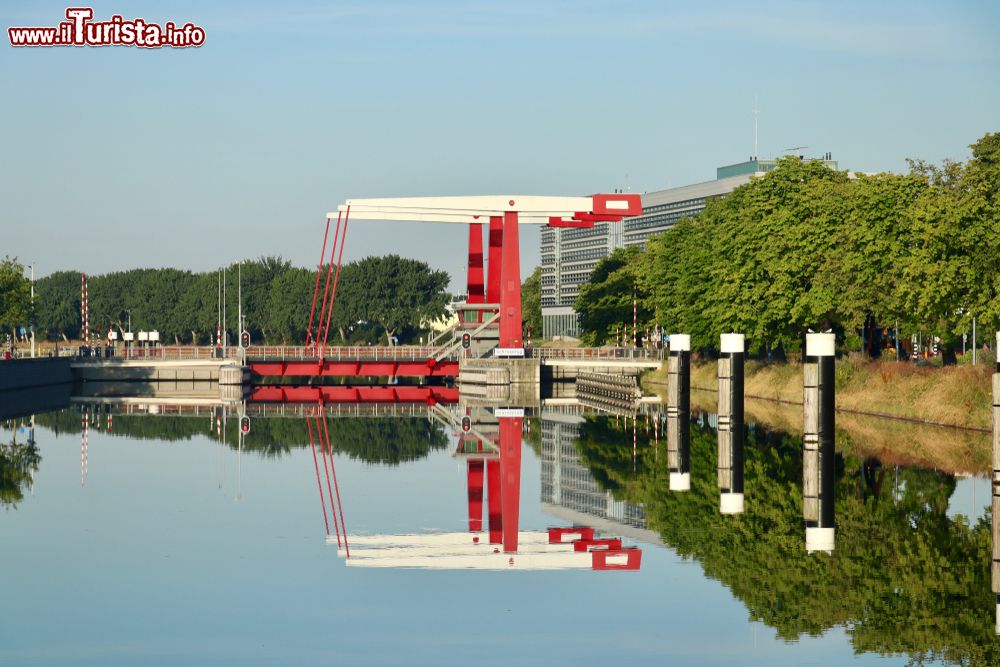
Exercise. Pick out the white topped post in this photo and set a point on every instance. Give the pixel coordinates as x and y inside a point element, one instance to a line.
<point>819,441</point>
<point>679,412</point>
<point>730,431</point>
<point>996,483</point>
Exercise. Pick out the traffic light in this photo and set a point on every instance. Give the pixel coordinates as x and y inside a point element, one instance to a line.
<point>466,340</point>
<point>245,339</point>
<point>466,424</point>
<point>245,424</point>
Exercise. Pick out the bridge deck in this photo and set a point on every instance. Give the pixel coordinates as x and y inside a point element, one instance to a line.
<point>371,361</point>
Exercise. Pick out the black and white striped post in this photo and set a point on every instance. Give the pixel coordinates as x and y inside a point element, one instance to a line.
<point>730,431</point>
<point>818,441</point>
<point>679,412</point>
<point>996,485</point>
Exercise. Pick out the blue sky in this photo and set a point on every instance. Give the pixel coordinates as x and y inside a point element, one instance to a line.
<point>115,158</point>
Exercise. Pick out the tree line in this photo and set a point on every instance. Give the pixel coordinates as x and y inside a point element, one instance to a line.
<point>806,247</point>
<point>378,298</point>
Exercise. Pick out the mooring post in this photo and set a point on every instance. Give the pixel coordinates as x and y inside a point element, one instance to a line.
<point>730,431</point>
<point>679,412</point>
<point>996,485</point>
<point>818,441</point>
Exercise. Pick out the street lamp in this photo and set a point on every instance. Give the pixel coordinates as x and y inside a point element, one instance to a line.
<point>31,315</point>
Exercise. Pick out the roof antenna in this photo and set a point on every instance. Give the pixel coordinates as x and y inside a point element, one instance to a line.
<point>756,119</point>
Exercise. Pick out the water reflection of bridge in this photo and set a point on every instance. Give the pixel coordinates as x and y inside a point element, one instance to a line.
<point>209,407</point>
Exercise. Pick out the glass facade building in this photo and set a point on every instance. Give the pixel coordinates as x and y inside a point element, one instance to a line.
<point>756,166</point>
<point>569,255</point>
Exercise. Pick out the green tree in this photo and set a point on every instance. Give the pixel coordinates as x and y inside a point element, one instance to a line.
<point>606,300</point>
<point>982,179</point>
<point>397,294</point>
<point>531,302</point>
<point>288,302</point>
<point>57,305</point>
<point>15,296</point>
<point>952,272</point>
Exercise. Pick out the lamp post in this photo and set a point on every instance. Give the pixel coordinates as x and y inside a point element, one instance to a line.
<point>239,293</point>
<point>239,306</point>
<point>31,317</point>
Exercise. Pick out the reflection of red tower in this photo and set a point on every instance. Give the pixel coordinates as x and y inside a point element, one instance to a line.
<point>494,511</point>
<point>475,473</point>
<point>493,462</point>
<point>510,479</point>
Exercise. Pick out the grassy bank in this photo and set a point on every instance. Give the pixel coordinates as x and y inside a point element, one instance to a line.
<point>893,442</point>
<point>952,396</point>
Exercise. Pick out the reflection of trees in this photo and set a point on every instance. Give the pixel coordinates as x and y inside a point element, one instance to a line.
<point>601,448</point>
<point>374,440</point>
<point>18,465</point>
<point>388,441</point>
<point>904,577</point>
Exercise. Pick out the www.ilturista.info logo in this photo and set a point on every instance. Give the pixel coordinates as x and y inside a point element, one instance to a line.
<point>80,30</point>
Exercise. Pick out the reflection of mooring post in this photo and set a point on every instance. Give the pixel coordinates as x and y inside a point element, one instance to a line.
<point>679,412</point>
<point>996,485</point>
<point>818,441</point>
<point>731,424</point>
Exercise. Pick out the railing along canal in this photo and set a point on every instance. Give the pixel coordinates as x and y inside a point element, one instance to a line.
<point>648,353</point>
<point>357,352</point>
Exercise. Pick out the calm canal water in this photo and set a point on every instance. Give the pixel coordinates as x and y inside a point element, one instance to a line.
<point>159,544</point>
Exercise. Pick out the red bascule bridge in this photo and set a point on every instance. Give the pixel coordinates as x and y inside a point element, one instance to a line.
<point>490,324</point>
<point>492,315</point>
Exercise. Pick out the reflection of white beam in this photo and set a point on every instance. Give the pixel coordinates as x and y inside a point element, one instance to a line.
<point>418,539</point>
<point>446,550</point>
<point>500,561</point>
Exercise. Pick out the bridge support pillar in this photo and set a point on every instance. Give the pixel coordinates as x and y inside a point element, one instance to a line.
<point>476,284</point>
<point>496,254</point>
<point>511,343</point>
<point>818,442</point>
